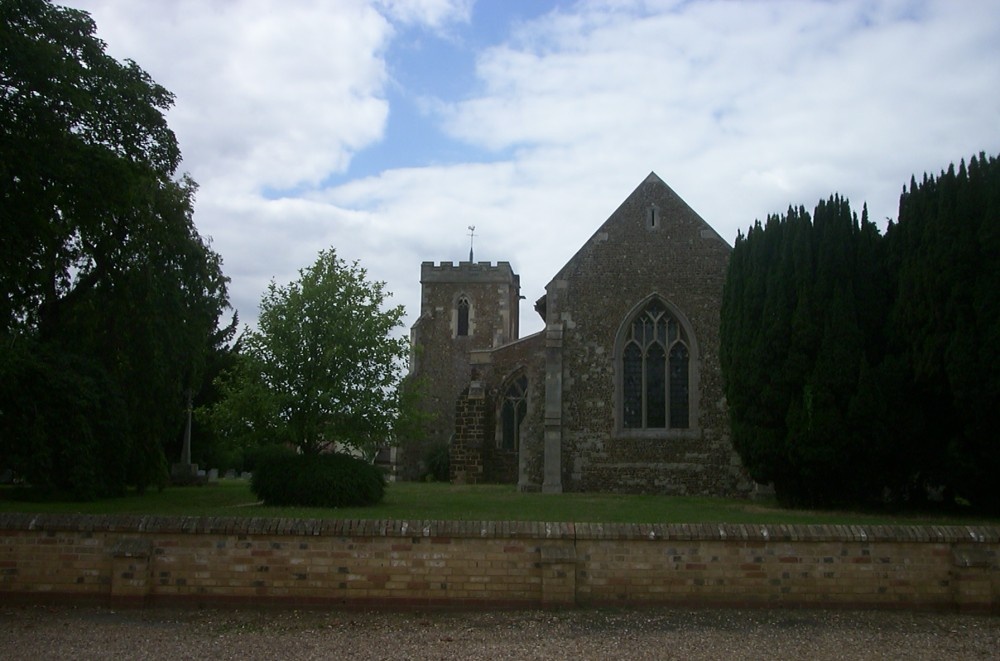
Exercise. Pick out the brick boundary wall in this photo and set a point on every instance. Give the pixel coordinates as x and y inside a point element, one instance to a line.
<point>147,560</point>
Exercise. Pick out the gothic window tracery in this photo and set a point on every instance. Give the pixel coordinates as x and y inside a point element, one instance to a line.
<point>655,361</point>
<point>462,329</point>
<point>513,408</point>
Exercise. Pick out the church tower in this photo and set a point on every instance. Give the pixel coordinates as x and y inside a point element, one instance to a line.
<point>464,307</point>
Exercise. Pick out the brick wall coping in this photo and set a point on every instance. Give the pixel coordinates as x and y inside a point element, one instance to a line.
<point>123,523</point>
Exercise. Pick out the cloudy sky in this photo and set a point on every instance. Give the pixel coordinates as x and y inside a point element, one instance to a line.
<point>384,128</point>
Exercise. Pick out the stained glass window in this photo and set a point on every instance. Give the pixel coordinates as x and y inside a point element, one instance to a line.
<point>632,386</point>
<point>679,386</point>
<point>655,372</point>
<point>656,387</point>
<point>512,411</point>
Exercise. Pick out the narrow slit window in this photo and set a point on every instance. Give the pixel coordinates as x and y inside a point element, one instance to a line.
<point>653,217</point>
<point>463,317</point>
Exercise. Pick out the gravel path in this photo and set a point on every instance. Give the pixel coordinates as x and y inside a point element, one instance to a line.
<point>94,633</point>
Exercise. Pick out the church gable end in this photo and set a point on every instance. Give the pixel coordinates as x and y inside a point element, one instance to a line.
<point>638,412</point>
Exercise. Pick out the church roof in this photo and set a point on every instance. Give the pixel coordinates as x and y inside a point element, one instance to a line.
<point>651,193</point>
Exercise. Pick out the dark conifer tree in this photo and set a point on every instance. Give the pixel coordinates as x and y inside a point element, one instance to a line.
<point>862,369</point>
<point>945,323</point>
<point>792,393</point>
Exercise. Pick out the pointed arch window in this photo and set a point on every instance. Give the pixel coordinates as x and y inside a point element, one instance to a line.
<point>655,362</point>
<point>462,329</point>
<point>513,408</point>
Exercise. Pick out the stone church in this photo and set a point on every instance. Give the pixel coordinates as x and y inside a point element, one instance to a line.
<point>620,392</point>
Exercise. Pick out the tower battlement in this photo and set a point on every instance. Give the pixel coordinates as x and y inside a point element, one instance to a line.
<point>431,272</point>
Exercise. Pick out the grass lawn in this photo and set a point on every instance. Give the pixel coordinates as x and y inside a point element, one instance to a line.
<point>437,501</point>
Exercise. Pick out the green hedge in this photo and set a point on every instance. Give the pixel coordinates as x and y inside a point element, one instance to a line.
<point>282,477</point>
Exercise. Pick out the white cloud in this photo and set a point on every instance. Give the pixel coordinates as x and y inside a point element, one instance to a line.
<point>774,98</point>
<point>271,96</point>
<point>742,107</point>
<point>268,93</point>
<point>432,13</point>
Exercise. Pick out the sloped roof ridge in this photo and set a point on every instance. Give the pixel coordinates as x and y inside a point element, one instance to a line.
<point>651,178</point>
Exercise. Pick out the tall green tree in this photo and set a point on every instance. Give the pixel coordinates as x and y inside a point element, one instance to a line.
<point>208,447</point>
<point>83,136</point>
<point>323,368</point>
<point>801,300</point>
<point>102,272</point>
<point>945,324</point>
<point>861,367</point>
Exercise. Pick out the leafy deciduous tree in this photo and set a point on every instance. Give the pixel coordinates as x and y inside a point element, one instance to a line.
<point>323,368</point>
<point>101,269</point>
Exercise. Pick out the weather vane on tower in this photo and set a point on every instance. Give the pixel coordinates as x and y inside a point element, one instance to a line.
<point>472,238</point>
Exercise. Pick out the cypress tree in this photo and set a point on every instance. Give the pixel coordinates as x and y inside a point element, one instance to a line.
<point>866,369</point>
<point>792,392</point>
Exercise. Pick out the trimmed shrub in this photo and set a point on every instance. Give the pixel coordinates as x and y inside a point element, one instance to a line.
<point>260,455</point>
<point>284,478</point>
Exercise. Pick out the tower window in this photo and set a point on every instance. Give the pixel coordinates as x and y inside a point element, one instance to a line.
<point>463,317</point>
